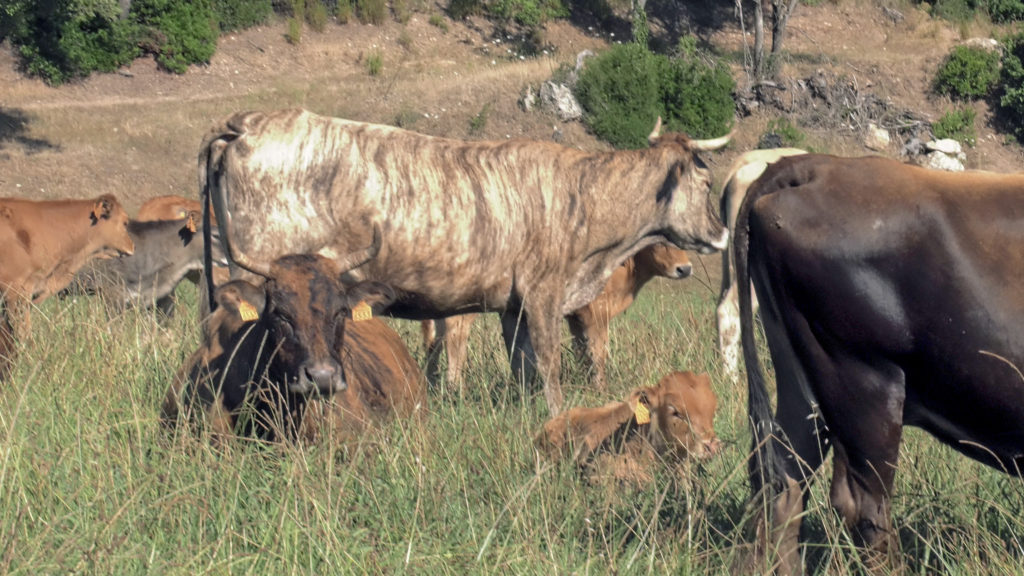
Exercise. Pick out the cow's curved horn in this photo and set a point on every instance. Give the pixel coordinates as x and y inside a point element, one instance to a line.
<point>654,133</point>
<point>713,144</point>
<point>359,257</point>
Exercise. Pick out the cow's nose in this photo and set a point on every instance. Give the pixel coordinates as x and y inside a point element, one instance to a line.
<point>326,376</point>
<point>684,271</point>
<point>712,447</point>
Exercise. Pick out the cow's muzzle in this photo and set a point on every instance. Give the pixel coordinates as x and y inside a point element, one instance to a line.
<point>321,377</point>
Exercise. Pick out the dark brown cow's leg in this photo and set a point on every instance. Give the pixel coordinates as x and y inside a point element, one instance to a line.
<point>516,334</point>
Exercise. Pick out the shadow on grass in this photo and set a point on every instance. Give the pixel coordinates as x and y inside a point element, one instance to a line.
<point>14,130</point>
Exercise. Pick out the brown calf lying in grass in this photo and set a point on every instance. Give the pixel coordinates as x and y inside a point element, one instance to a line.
<point>673,419</point>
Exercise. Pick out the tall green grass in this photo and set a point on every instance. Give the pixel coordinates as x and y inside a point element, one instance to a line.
<point>90,483</point>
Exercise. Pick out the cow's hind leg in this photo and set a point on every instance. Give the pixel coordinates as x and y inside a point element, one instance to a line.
<point>868,428</point>
<point>522,359</point>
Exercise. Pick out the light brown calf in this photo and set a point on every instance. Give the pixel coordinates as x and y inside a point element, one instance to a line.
<point>43,244</point>
<point>169,208</point>
<point>674,418</point>
<point>589,324</point>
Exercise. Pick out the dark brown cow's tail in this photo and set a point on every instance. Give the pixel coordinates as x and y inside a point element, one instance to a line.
<point>766,466</point>
<point>210,156</point>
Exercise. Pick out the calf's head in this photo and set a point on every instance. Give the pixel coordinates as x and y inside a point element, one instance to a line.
<point>663,260</point>
<point>111,224</point>
<point>304,307</point>
<point>682,411</point>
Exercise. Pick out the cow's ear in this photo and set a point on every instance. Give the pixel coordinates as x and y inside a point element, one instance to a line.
<point>242,299</point>
<point>375,294</point>
<point>103,207</point>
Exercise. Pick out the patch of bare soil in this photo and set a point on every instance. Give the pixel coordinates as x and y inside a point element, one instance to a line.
<point>136,132</point>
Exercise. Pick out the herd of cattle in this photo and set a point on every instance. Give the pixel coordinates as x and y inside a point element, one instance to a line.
<point>889,293</point>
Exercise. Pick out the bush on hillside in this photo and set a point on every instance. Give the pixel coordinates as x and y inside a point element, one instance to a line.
<point>1005,10</point>
<point>957,124</point>
<point>177,32</point>
<point>625,89</point>
<point>1012,82</point>
<point>968,73</point>
<point>241,14</point>
<point>67,39</point>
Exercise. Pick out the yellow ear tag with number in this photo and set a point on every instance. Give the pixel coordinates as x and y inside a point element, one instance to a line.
<point>248,312</point>
<point>362,312</point>
<point>191,224</point>
<point>642,413</point>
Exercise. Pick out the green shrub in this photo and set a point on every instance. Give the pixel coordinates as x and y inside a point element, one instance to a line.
<point>479,122</point>
<point>61,40</point>
<point>785,133</point>
<point>624,90</point>
<point>957,124</point>
<point>1012,81</point>
<point>177,32</point>
<point>438,21</point>
<point>968,73</point>
<point>401,10</point>
<point>241,14</point>
<point>316,16</point>
<point>953,10</point>
<point>528,13</point>
<point>371,11</point>
<point>375,64</point>
<point>344,11</point>
<point>1006,10</point>
<point>461,9</point>
<point>294,34</point>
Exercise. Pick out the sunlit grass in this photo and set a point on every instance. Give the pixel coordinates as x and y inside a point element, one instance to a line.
<point>89,482</point>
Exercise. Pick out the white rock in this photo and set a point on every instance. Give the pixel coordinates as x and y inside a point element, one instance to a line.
<point>940,161</point>
<point>877,138</point>
<point>946,146</point>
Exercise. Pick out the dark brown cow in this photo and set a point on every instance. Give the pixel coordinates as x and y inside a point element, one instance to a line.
<point>743,172</point>
<point>43,244</point>
<point>890,296</point>
<point>528,229</point>
<point>267,350</point>
<point>589,325</point>
<point>166,251</point>
<point>675,417</point>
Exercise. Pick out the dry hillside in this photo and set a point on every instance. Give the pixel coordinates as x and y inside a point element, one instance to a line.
<point>136,133</point>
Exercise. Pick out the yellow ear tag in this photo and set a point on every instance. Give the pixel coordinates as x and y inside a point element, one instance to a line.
<point>248,312</point>
<point>362,312</point>
<point>642,413</point>
<point>191,224</point>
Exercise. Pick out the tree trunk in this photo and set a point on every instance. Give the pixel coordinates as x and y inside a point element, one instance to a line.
<point>782,12</point>
<point>759,40</point>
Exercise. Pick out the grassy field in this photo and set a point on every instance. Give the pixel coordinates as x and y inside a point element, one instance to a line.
<point>89,483</point>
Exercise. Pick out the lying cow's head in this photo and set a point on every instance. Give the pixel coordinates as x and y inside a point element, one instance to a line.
<point>304,307</point>
<point>663,260</point>
<point>111,224</point>
<point>692,223</point>
<point>676,416</point>
<point>682,411</point>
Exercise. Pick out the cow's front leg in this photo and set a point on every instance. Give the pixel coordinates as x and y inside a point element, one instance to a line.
<point>544,318</point>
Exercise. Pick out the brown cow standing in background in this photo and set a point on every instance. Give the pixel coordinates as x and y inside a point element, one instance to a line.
<point>42,245</point>
<point>531,230</point>
<point>588,325</point>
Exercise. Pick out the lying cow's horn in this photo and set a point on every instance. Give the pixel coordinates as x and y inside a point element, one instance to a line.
<point>714,144</point>
<point>360,257</point>
<point>654,133</point>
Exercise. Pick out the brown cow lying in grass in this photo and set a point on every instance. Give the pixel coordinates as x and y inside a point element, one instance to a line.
<point>272,352</point>
<point>673,419</point>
